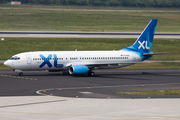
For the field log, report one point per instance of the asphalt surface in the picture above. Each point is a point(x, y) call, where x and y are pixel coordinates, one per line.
point(104, 85)
point(67, 34)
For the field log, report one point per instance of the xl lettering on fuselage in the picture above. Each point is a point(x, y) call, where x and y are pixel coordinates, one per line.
point(46, 61)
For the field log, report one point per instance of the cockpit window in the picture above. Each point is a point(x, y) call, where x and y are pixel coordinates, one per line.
point(15, 58)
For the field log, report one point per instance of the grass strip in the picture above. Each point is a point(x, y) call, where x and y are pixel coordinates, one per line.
point(56, 7)
point(28, 18)
point(152, 92)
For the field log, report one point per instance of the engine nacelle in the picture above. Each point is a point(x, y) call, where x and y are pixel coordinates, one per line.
point(78, 69)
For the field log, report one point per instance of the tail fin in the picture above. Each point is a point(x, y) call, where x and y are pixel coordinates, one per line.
point(144, 42)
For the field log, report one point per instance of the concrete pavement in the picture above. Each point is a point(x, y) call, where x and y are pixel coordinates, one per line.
point(50, 107)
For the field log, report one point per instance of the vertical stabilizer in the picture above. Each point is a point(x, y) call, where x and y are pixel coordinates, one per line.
point(144, 42)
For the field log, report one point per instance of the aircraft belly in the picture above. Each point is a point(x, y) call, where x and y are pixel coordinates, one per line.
point(114, 65)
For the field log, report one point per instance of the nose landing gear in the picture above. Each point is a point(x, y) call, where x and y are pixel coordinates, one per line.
point(20, 72)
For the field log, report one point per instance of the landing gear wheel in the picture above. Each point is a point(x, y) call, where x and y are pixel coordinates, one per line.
point(20, 74)
point(91, 73)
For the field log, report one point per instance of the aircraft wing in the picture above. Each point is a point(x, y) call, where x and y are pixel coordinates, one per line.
point(99, 65)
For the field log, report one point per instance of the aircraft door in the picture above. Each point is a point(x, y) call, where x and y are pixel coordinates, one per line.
point(76, 59)
point(28, 56)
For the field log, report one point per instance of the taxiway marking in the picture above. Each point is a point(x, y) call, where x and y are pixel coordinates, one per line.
point(140, 85)
point(17, 77)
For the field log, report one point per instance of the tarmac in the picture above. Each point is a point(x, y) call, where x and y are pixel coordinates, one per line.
point(42, 95)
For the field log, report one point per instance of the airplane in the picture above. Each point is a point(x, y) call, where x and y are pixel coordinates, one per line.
point(84, 62)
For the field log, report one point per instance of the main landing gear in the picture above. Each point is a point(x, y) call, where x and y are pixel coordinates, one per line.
point(91, 73)
point(21, 74)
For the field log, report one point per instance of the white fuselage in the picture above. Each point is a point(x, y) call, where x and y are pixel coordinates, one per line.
point(61, 60)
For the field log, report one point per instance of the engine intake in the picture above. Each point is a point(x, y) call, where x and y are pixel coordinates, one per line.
point(78, 69)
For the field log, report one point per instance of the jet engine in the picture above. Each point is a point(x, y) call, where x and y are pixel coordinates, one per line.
point(78, 70)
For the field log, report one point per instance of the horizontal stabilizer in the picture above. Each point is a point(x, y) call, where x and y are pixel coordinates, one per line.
point(158, 53)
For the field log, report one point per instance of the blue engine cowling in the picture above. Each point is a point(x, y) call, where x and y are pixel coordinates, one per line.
point(78, 69)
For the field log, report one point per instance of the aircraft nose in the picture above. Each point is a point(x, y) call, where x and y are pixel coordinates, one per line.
point(8, 63)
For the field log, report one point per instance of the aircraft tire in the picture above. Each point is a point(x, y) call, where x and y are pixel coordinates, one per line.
point(91, 73)
point(20, 74)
